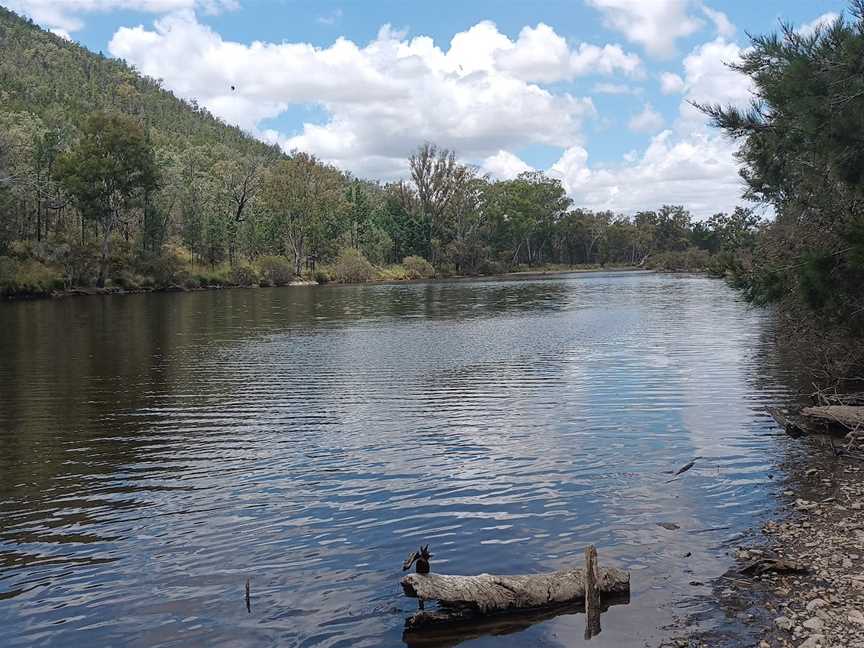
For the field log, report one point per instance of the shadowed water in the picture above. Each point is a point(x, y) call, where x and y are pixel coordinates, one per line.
point(158, 450)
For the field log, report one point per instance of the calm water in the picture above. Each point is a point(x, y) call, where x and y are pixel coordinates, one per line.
point(158, 450)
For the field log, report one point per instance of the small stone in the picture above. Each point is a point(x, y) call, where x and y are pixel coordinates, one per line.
point(783, 623)
point(847, 564)
point(815, 604)
point(813, 642)
point(814, 624)
point(855, 616)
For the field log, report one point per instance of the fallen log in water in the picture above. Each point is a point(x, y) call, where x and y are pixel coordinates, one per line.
point(848, 416)
point(462, 597)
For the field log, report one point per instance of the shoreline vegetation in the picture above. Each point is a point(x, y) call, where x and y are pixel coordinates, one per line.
point(222, 280)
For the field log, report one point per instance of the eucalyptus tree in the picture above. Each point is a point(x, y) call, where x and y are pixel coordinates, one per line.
point(107, 173)
point(300, 195)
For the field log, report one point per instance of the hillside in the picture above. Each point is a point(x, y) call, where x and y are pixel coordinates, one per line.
point(61, 83)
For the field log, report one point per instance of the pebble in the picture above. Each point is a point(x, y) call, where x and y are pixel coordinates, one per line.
point(783, 623)
point(814, 624)
point(813, 642)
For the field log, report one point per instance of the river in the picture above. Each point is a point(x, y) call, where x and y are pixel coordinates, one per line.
point(157, 450)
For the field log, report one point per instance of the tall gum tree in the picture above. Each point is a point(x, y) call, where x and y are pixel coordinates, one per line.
point(108, 172)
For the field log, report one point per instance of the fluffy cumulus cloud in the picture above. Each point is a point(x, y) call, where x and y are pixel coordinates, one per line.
point(655, 25)
point(647, 120)
point(64, 16)
point(504, 165)
point(483, 94)
point(822, 22)
point(697, 170)
point(671, 83)
point(689, 163)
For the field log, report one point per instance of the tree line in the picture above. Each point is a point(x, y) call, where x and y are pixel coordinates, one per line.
point(107, 205)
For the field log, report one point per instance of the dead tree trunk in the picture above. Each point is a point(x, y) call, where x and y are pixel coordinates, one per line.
point(466, 596)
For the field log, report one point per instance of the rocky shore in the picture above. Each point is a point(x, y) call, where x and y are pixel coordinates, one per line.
point(798, 581)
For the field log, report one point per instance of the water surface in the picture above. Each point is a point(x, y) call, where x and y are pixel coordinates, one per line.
point(158, 450)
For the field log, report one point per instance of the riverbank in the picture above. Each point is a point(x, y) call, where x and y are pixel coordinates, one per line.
point(815, 598)
point(89, 291)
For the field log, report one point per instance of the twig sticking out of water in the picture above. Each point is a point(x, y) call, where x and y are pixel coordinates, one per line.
point(249, 595)
point(592, 593)
point(683, 469)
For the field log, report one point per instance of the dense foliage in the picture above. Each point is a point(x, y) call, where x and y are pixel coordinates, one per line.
point(803, 154)
point(108, 179)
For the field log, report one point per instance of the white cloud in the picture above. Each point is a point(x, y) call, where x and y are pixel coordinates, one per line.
point(709, 80)
point(504, 165)
point(606, 87)
point(671, 83)
point(654, 24)
point(65, 15)
point(646, 121)
point(697, 170)
point(62, 33)
point(823, 21)
point(330, 18)
point(721, 21)
point(690, 163)
point(479, 96)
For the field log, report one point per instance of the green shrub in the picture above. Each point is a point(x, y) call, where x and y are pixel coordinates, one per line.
point(353, 267)
point(129, 280)
point(243, 274)
point(8, 274)
point(217, 276)
point(322, 276)
point(394, 272)
point(169, 268)
point(276, 270)
point(28, 278)
point(418, 268)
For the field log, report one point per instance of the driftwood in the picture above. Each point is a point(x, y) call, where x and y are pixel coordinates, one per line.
point(486, 592)
point(850, 417)
point(794, 426)
point(464, 599)
point(776, 565)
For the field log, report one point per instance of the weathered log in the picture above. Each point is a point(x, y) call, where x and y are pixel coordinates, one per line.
point(486, 592)
point(794, 426)
point(848, 416)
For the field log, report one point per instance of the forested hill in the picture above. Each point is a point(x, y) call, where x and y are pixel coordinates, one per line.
point(62, 83)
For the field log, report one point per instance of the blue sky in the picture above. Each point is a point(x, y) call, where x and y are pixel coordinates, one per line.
point(593, 91)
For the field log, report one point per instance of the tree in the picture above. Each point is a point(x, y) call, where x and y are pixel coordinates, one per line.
point(299, 196)
point(108, 173)
point(802, 154)
point(437, 178)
